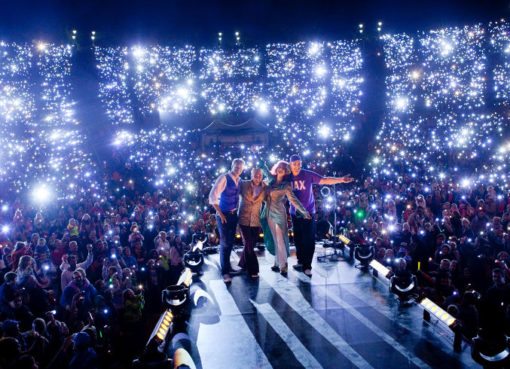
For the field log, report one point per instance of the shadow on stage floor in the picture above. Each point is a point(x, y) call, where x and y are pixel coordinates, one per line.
point(340, 318)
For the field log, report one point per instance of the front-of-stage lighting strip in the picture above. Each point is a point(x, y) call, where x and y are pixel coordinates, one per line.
point(344, 239)
point(163, 326)
point(381, 269)
point(435, 310)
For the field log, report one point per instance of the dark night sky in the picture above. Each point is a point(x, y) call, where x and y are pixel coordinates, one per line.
point(197, 22)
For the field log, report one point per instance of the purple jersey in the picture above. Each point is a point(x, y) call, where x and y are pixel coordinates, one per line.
point(303, 189)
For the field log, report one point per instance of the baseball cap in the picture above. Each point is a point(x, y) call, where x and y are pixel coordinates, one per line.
point(82, 339)
point(294, 157)
point(9, 325)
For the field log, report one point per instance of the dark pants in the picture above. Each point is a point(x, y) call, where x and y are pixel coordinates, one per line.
point(227, 235)
point(304, 239)
point(249, 259)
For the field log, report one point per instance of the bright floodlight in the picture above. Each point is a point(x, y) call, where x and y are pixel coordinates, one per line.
point(401, 103)
point(321, 71)
point(41, 194)
point(324, 131)
point(262, 107)
point(465, 183)
point(41, 46)
point(138, 52)
point(5, 229)
point(446, 48)
point(183, 92)
point(314, 48)
point(415, 74)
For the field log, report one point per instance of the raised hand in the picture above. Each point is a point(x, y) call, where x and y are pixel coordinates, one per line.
point(347, 179)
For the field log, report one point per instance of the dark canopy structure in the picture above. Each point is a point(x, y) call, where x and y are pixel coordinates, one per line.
point(251, 132)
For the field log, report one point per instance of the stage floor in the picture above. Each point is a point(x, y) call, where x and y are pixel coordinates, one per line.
point(340, 318)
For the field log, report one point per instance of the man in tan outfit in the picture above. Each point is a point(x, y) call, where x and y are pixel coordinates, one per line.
point(252, 195)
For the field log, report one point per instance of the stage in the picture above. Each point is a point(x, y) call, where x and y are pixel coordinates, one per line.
point(340, 318)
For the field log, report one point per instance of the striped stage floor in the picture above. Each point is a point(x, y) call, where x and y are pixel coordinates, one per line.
point(340, 318)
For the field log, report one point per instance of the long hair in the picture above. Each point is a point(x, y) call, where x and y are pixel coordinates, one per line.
point(278, 164)
point(25, 262)
point(285, 165)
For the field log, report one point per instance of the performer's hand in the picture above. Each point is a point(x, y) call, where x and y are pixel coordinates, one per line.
point(308, 216)
point(222, 217)
point(347, 179)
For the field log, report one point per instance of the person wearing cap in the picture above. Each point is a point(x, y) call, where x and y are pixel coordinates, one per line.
point(302, 181)
point(84, 355)
point(7, 290)
point(224, 197)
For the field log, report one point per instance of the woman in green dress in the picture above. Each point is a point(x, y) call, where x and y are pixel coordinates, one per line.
point(274, 216)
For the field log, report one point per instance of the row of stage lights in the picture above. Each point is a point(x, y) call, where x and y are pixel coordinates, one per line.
point(487, 349)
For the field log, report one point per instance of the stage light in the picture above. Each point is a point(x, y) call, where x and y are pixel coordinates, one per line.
point(163, 326)
point(364, 253)
point(314, 48)
point(465, 183)
point(324, 131)
point(138, 52)
point(379, 269)
point(5, 229)
point(41, 46)
point(446, 48)
point(435, 310)
point(415, 74)
point(401, 103)
point(320, 71)
point(262, 107)
point(183, 92)
point(41, 194)
point(5, 207)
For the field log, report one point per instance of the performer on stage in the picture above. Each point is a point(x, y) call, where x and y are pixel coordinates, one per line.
point(274, 215)
point(252, 195)
point(304, 229)
point(224, 196)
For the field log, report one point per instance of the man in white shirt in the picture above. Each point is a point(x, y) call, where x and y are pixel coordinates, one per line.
point(224, 197)
point(69, 265)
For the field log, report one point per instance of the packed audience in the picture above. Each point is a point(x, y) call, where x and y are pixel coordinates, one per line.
point(81, 275)
point(80, 278)
point(456, 240)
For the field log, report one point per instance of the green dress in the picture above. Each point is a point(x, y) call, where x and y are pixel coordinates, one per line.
point(275, 209)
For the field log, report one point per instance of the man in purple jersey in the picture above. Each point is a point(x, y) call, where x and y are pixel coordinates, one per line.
point(304, 229)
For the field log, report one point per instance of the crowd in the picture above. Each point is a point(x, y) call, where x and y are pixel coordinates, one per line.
point(80, 276)
point(81, 280)
point(455, 240)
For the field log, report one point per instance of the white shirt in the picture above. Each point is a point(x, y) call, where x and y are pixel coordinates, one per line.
point(67, 275)
point(219, 187)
